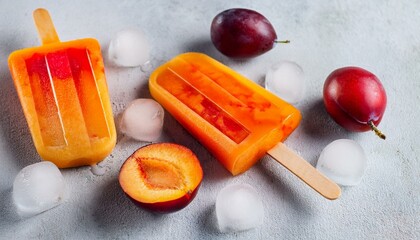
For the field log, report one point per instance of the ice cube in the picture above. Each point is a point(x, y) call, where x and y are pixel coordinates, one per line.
point(343, 161)
point(238, 208)
point(37, 188)
point(129, 48)
point(97, 170)
point(142, 120)
point(286, 79)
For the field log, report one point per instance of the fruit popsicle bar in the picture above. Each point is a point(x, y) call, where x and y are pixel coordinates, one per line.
point(237, 120)
point(64, 96)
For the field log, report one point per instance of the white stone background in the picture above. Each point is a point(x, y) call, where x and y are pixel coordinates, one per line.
point(381, 36)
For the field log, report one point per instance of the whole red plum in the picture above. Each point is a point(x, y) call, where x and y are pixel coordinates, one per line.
point(355, 99)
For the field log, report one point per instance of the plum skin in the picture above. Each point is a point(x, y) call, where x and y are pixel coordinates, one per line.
point(354, 96)
point(168, 206)
point(242, 33)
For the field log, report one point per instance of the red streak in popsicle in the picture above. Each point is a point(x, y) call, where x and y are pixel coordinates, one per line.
point(204, 107)
point(88, 94)
point(57, 79)
point(45, 104)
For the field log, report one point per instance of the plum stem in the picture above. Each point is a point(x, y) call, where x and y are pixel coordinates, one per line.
point(376, 130)
point(282, 41)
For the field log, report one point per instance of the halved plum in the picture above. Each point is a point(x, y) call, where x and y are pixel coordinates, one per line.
point(161, 177)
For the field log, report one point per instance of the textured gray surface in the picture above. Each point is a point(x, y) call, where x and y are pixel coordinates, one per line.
point(382, 36)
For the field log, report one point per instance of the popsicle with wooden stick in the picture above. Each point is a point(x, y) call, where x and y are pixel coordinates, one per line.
point(64, 96)
point(237, 120)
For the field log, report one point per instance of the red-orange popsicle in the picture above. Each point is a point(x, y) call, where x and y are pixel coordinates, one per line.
point(237, 120)
point(64, 96)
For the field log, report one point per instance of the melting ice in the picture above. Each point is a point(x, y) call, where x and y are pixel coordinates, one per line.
point(286, 79)
point(129, 48)
point(37, 188)
point(238, 208)
point(343, 161)
point(143, 120)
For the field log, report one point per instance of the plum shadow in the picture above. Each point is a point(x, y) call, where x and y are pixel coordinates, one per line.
point(317, 124)
point(203, 45)
point(114, 211)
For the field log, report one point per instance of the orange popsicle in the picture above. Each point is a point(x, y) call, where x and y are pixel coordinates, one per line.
point(64, 96)
point(237, 120)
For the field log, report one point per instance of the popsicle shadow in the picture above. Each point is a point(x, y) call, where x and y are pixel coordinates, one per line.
point(9, 43)
point(143, 91)
point(115, 211)
point(283, 187)
point(12, 121)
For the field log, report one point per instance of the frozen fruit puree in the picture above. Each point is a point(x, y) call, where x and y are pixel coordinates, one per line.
point(64, 96)
point(236, 119)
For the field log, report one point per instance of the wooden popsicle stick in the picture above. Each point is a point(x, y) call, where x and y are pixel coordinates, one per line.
point(305, 171)
point(45, 26)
